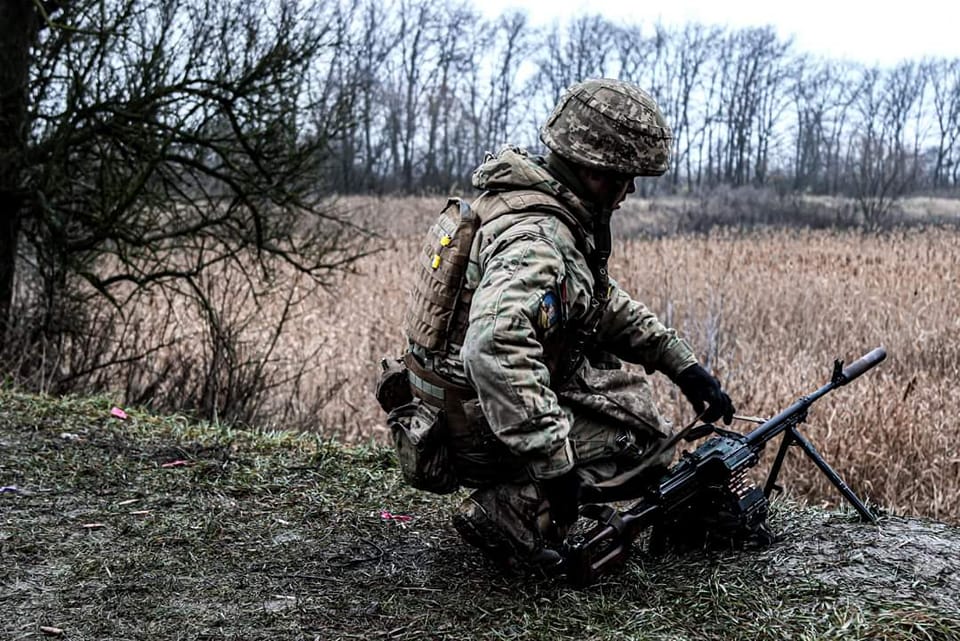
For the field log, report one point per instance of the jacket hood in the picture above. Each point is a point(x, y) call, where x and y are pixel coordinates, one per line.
point(513, 168)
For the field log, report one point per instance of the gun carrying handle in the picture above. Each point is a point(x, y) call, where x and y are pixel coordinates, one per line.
point(864, 363)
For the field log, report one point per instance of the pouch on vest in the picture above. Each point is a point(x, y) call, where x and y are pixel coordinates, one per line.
point(420, 440)
point(393, 386)
point(437, 313)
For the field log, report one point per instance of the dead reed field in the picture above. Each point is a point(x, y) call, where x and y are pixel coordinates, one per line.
point(767, 311)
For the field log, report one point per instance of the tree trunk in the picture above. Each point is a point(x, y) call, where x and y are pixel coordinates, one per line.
point(18, 28)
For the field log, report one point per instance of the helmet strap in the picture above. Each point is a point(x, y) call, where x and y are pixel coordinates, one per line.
point(601, 256)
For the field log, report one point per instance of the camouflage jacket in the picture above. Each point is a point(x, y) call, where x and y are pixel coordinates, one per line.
point(533, 286)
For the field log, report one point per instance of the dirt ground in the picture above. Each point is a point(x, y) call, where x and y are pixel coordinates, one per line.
point(158, 528)
point(899, 558)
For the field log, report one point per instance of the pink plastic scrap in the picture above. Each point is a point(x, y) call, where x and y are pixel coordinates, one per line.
point(177, 463)
point(118, 413)
point(396, 518)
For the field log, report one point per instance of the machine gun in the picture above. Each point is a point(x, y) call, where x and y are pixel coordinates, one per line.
point(706, 496)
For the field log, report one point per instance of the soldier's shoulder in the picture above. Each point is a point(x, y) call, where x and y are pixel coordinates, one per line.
point(539, 228)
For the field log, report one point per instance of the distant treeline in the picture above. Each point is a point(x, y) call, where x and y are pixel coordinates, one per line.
point(432, 86)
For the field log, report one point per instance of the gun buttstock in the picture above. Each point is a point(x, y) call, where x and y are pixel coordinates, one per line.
point(587, 565)
point(864, 363)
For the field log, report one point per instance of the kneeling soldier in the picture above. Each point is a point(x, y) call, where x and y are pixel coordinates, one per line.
point(516, 332)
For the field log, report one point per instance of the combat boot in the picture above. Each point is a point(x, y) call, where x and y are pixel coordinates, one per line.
point(504, 523)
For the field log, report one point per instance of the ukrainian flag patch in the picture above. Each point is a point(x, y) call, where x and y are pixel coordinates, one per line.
point(549, 310)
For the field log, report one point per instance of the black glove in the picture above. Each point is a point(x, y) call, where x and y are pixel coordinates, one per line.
point(563, 494)
point(703, 390)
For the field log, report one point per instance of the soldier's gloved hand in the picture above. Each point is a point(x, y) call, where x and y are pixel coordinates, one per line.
point(704, 391)
point(563, 494)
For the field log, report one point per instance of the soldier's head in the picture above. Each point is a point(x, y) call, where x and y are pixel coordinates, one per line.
point(611, 131)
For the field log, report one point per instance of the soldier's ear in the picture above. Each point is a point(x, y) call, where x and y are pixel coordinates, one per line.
point(594, 180)
point(600, 183)
point(589, 173)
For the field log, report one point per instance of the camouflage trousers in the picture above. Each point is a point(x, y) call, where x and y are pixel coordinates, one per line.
point(615, 428)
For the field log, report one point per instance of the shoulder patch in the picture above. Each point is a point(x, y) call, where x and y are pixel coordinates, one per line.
point(549, 310)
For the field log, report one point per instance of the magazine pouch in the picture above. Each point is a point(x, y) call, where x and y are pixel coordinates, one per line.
point(419, 436)
point(393, 385)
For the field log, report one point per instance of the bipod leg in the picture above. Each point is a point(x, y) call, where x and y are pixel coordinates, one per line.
point(848, 494)
point(777, 464)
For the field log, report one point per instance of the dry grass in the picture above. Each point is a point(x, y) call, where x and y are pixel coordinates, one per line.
point(768, 311)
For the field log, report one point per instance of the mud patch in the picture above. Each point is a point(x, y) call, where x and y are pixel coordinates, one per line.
point(899, 558)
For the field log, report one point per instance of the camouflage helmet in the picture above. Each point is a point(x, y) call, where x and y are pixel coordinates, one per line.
point(610, 125)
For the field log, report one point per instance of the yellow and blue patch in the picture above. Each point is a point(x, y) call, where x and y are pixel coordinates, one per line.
point(550, 312)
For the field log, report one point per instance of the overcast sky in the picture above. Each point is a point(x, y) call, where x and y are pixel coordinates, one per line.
point(868, 32)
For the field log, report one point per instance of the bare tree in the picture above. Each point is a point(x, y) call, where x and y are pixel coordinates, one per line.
point(158, 140)
point(452, 58)
point(435, 87)
point(364, 37)
point(773, 102)
point(581, 50)
point(814, 93)
point(689, 53)
point(502, 117)
point(19, 28)
point(752, 73)
point(946, 102)
point(884, 164)
point(405, 87)
point(710, 134)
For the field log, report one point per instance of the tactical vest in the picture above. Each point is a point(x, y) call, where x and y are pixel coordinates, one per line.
point(439, 305)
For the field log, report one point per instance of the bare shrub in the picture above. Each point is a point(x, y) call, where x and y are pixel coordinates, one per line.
point(216, 348)
point(159, 147)
point(230, 361)
point(751, 207)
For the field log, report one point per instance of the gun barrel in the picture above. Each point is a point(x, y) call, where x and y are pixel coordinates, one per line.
point(797, 412)
point(864, 363)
